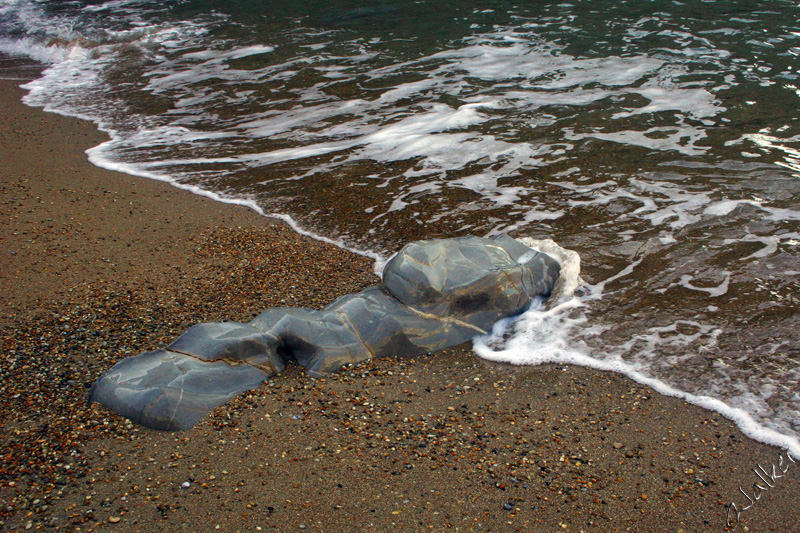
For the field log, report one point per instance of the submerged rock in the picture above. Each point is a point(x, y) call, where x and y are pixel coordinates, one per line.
point(435, 294)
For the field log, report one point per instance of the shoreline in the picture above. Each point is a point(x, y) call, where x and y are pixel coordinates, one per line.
point(97, 264)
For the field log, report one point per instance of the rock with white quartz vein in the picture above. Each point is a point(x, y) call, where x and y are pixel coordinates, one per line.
point(435, 294)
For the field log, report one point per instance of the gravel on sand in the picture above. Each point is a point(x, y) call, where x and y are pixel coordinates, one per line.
point(96, 265)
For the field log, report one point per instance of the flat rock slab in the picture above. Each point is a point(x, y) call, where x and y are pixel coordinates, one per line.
point(170, 391)
point(435, 294)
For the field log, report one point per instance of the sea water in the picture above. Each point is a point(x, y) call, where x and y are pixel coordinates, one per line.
point(659, 139)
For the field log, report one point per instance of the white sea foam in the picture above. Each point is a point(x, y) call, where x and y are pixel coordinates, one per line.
point(714, 292)
point(102, 162)
point(235, 53)
point(541, 341)
point(683, 139)
point(439, 137)
point(725, 207)
point(558, 334)
point(34, 50)
point(569, 277)
point(29, 16)
point(770, 243)
point(770, 143)
point(113, 5)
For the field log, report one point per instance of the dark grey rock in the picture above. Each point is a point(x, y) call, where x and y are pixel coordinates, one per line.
point(434, 294)
point(171, 391)
point(232, 342)
point(321, 341)
point(472, 279)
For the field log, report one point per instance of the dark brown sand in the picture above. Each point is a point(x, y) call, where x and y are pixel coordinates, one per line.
point(97, 265)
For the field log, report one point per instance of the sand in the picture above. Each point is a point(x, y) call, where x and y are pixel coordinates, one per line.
point(97, 265)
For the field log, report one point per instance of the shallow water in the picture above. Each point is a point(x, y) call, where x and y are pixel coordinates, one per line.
point(660, 140)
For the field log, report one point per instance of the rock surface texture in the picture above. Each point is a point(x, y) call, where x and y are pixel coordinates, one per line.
point(435, 294)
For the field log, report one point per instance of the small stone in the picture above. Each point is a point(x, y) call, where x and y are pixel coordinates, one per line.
point(113, 519)
point(618, 445)
point(186, 484)
point(507, 506)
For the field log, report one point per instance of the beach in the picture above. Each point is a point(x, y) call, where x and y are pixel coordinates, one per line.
point(98, 265)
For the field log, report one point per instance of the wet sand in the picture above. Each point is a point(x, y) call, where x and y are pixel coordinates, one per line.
point(96, 265)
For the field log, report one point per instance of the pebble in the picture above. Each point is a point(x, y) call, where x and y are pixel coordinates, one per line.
point(461, 426)
point(53, 356)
